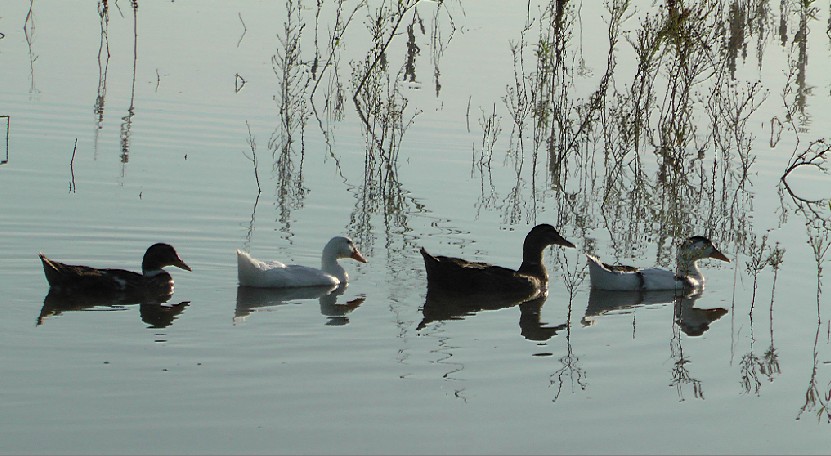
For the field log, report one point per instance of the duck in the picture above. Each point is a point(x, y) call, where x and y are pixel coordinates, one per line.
point(252, 272)
point(467, 277)
point(605, 276)
point(79, 279)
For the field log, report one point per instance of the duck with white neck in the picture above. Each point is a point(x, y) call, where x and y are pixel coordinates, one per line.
point(252, 272)
point(687, 276)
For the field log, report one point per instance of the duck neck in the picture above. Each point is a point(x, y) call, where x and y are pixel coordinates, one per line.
point(330, 265)
point(688, 267)
point(150, 272)
point(532, 261)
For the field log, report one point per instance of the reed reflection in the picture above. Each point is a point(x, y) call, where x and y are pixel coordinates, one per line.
point(103, 68)
point(596, 147)
point(29, 34)
point(293, 80)
point(127, 120)
point(571, 370)
point(4, 160)
point(251, 299)
point(818, 397)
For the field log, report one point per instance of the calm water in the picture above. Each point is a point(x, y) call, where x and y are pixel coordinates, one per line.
point(215, 127)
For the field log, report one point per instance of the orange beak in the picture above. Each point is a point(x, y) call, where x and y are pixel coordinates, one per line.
point(356, 255)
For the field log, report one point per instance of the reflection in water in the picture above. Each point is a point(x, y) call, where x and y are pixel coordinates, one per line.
point(293, 81)
point(693, 321)
point(103, 68)
point(571, 371)
point(154, 310)
point(250, 299)
point(127, 120)
point(29, 33)
point(820, 241)
point(602, 302)
point(252, 144)
point(5, 160)
point(440, 305)
point(598, 147)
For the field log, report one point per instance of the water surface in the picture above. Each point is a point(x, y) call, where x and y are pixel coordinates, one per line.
point(270, 127)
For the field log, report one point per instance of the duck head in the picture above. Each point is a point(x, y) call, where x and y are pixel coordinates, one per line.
point(540, 237)
point(698, 248)
point(543, 235)
point(342, 247)
point(159, 256)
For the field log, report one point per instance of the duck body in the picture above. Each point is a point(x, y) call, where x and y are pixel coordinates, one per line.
point(448, 273)
point(252, 272)
point(528, 282)
point(605, 276)
point(79, 279)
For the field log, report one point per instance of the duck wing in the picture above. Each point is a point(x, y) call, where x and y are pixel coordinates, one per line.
point(79, 278)
point(469, 276)
point(605, 276)
point(252, 272)
point(662, 279)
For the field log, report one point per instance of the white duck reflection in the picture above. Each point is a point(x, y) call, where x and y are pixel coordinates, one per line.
point(250, 299)
point(692, 320)
point(440, 305)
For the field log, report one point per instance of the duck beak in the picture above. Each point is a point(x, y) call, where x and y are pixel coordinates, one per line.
point(718, 255)
point(356, 255)
point(562, 241)
point(181, 264)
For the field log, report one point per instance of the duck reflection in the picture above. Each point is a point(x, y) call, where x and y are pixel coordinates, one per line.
point(441, 305)
point(154, 309)
point(249, 299)
point(692, 320)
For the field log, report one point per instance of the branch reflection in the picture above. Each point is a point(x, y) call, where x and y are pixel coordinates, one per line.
point(103, 68)
point(693, 322)
point(293, 80)
point(127, 120)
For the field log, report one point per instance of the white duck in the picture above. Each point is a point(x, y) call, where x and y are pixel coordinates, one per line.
point(688, 276)
point(252, 272)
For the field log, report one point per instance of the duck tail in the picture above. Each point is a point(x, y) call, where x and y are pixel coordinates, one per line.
point(430, 262)
point(245, 268)
point(596, 269)
point(593, 261)
point(51, 269)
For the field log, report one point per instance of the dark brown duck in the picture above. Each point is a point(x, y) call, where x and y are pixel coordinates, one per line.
point(456, 274)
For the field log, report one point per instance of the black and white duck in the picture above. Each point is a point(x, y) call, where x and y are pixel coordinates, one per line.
point(687, 276)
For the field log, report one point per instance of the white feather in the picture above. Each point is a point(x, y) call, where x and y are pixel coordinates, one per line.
point(252, 272)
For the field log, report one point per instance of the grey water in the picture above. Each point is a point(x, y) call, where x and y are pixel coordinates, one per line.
point(457, 126)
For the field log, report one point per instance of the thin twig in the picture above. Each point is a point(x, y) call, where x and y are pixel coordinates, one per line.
point(72, 187)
